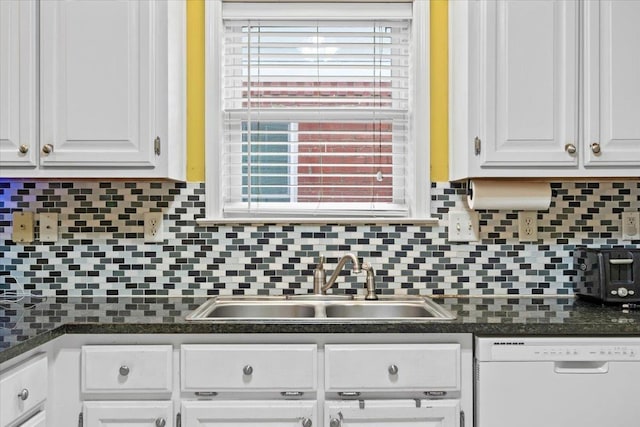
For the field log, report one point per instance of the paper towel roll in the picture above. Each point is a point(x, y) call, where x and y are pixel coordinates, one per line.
point(508, 195)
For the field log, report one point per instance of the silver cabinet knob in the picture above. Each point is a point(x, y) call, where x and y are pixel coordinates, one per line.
point(570, 148)
point(247, 370)
point(334, 422)
point(47, 149)
point(160, 422)
point(595, 148)
point(306, 422)
point(393, 369)
point(24, 394)
point(124, 370)
point(24, 148)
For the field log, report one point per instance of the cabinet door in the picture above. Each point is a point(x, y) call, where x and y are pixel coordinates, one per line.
point(18, 143)
point(393, 413)
point(128, 414)
point(612, 85)
point(528, 83)
point(249, 413)
point(97, 82)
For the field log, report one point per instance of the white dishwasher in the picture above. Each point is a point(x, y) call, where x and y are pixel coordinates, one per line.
point(557, 382)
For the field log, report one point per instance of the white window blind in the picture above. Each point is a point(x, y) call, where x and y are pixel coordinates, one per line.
point(316, 103)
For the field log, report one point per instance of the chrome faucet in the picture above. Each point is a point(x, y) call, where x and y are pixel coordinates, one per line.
point(321, 285)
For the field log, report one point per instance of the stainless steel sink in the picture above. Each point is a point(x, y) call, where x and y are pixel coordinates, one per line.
point(220, 308)
point(377, 310)
point(321, 310)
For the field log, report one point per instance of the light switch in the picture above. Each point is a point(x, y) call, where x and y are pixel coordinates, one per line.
point(463, 226)
point(22, 227)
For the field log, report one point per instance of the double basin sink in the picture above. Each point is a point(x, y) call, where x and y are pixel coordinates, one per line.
point(321, 308)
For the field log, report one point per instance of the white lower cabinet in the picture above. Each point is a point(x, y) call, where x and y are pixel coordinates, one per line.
point(390, 382)
point(393, 413)
point(262, 413)
point(128, 414)
point(242, 380)
point(23, 391)
point(127, 385)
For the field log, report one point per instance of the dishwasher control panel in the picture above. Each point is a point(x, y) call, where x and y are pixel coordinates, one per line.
point(530, 349)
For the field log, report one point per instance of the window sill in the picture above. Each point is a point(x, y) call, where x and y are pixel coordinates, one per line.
point(320, 221)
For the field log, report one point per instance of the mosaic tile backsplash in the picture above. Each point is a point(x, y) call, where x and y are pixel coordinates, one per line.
point(101, 250)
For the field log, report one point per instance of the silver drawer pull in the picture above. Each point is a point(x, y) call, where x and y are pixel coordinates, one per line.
point(292, 394)
point(124, 370)
point(247, 370)
point(334, 422)
point(306, 422)
point(393, 369)
point(621, 261)
point(160, 422)
point(349, 394)
point(206, 393)
point(24, 394)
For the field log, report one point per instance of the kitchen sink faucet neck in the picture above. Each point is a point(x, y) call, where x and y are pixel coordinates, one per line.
point(320, 284)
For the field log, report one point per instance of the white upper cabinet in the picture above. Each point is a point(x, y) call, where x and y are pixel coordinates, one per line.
point(111, 90)
point(521, 92)
point(529, 76)
point(18, 126)
point(98, 75)
point(612, 84)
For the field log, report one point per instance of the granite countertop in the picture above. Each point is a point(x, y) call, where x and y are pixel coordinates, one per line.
point(34, 321)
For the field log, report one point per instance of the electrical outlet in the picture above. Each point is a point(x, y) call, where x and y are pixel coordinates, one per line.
point(48, 227)
point(528, 226)
point(464, 226)
point(630, 230)
point(22, 227)
point(153, 227)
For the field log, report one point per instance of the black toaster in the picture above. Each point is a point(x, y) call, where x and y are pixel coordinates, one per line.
point(609, 275)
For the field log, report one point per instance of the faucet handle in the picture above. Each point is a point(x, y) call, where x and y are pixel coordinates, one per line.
point(319, 276)
point(370, 281)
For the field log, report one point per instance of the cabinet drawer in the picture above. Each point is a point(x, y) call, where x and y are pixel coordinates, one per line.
point(228, 367)
point(127, 369)
point(410, 367)
point(22, 389)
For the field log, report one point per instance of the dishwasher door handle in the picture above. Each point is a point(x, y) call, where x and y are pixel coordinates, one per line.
point(581, 367)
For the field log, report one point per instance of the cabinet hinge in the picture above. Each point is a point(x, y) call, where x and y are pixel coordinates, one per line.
point(178, 420)
point(156, 145)
point(477, 145)
point(461, 418)
point(80, 420)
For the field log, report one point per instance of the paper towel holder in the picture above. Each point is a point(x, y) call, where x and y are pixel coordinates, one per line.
point(505, 194)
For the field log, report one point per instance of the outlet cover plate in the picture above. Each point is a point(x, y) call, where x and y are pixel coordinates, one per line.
point(630, 228)
point(153, 227)
point(528, 226)
point(464, 226)
point(22, 227)
point(48, 227)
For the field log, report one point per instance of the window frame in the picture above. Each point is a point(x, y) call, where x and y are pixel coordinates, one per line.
point(419, 146)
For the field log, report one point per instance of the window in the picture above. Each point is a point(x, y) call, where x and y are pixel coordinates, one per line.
point(317, 110)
